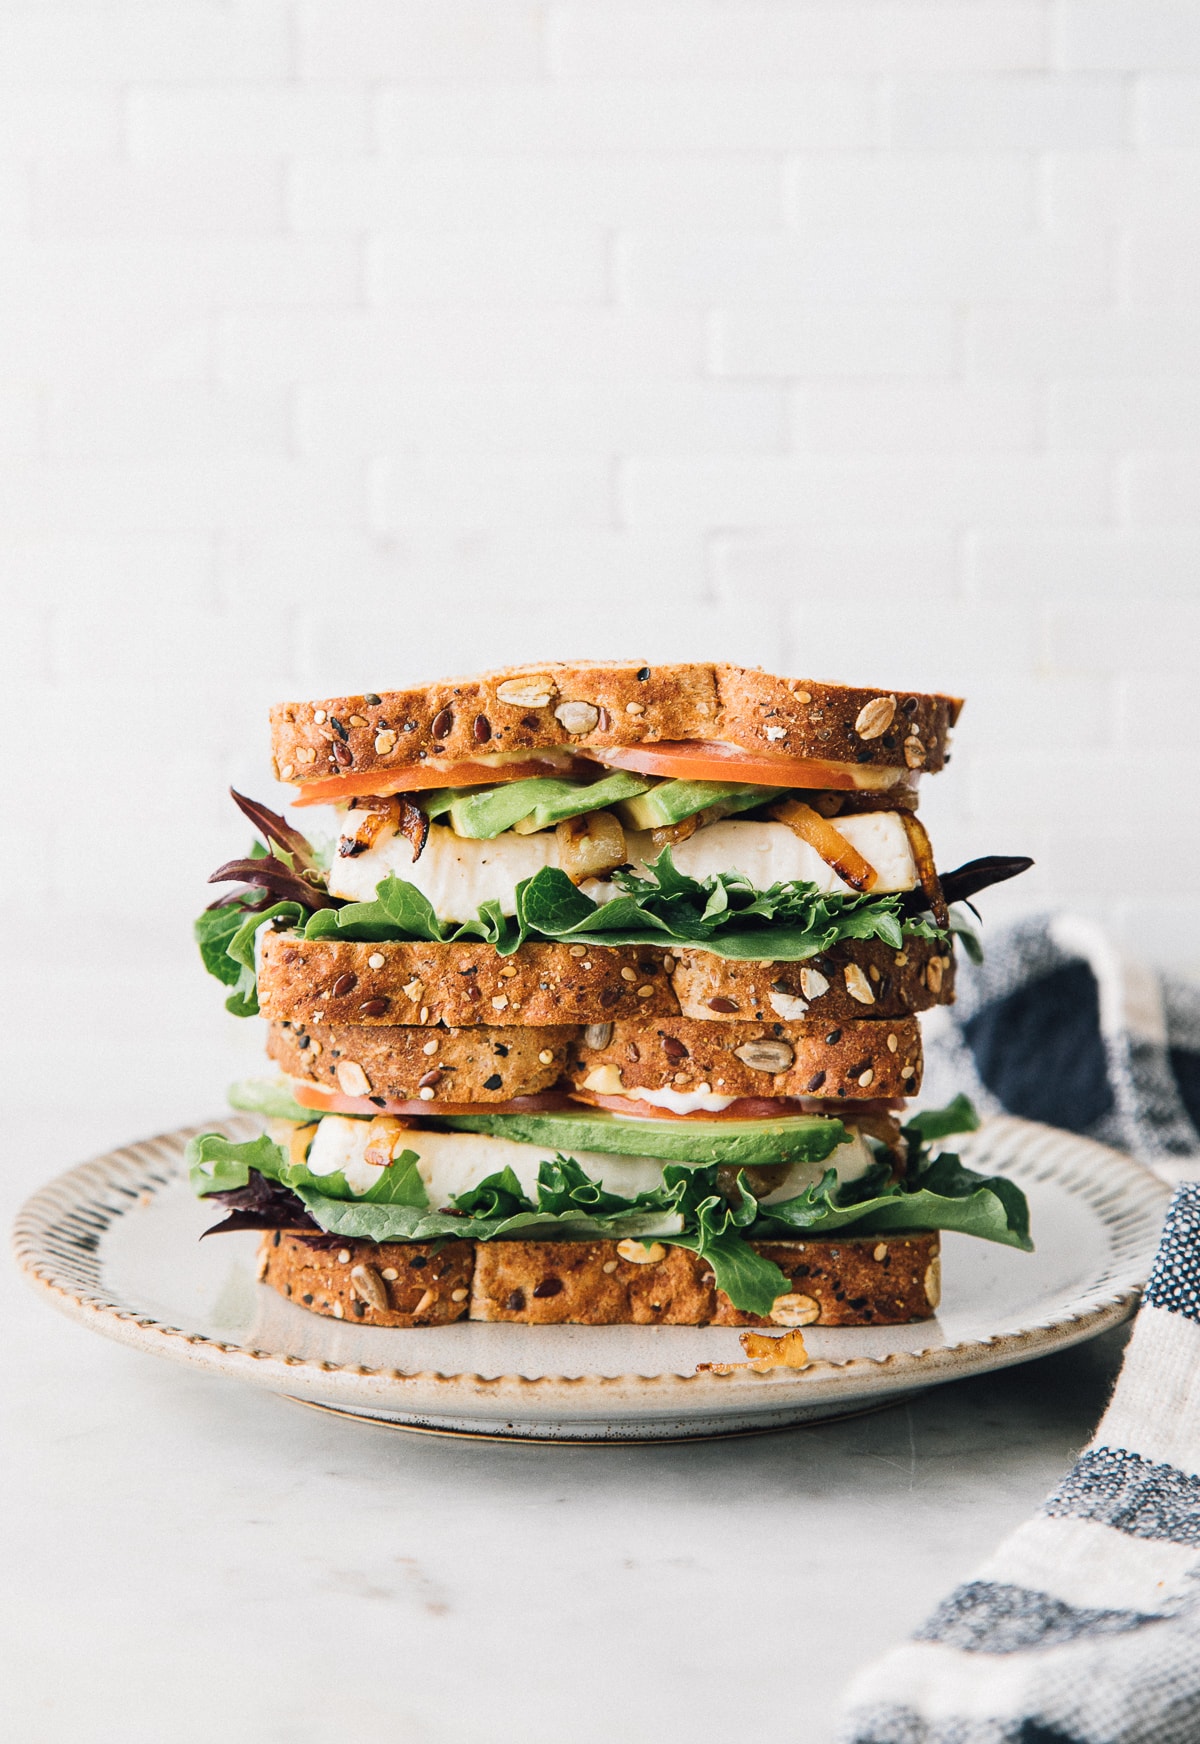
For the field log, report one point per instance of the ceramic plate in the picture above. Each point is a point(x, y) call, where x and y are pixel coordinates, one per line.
point(113, 1243)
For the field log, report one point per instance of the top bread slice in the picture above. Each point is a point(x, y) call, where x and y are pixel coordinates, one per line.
point(594, 705)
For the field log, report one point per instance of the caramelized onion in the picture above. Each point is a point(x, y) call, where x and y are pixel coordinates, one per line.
point(590, 845)
point(827, 841)
point(922, 853)
point(373, 820)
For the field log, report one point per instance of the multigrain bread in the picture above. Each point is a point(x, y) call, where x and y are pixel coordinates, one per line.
point(335, 980)
point(873, 1280)
point(467, 983)
point(405, 1063)
point(856, 978)
point(590, 705)
point(392, 1283)
point(851, 1281)
point(851, 1059)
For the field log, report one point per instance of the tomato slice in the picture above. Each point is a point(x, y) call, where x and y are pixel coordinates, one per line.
point(333, 1102)
point(712, 760)
point(422, 775)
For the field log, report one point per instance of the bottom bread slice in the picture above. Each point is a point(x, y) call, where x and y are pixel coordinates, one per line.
point(866, 1280)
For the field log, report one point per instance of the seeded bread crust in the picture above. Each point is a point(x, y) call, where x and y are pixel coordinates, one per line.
point(854, 979)
point(593, 705)
point(871, 1280)
point(390, 1283)
point(460, 984)
point(464, 984)
point(481, 1065)
point(854, 1058)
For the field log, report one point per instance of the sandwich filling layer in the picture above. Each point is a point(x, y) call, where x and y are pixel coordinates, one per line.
point(497, 1177)
point(458, 875)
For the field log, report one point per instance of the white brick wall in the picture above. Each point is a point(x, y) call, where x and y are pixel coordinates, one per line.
point(349, 341)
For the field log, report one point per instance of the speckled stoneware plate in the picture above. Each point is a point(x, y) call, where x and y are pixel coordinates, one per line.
point(113, 1243)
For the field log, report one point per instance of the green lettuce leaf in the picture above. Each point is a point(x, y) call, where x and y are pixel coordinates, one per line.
point(226, 939)
point(400, 911)
point(214, 930)
point(928, 1125)
point(215, 1164)
point(939, 1192)
point(723, 913)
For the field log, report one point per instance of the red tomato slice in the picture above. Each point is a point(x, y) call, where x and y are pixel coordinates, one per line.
point(333, 1102)
point(422, 775)
point(710, 760)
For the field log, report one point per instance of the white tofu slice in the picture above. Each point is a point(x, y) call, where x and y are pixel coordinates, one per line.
point(454, 872)
point(770, 853)
point(458, 874)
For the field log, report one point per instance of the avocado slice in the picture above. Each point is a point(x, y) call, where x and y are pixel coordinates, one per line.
point(798, 1138)
point(575, 799)
point(672, 801)
point(534, 804)
point(484, 812)
point(435, 802)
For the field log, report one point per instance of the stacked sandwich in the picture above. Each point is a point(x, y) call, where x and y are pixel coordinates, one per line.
point(593, 997)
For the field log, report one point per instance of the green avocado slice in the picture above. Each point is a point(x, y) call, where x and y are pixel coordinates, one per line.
point(535, 804)
point(672, 801)
point(799, 1138)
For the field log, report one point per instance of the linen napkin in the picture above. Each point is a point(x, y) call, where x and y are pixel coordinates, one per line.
point(1084, 1626)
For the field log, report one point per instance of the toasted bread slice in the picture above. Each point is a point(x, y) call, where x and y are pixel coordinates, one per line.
point(337, 981)
point(593, 705)
point(872, 1280)
point(404, 1063)
point(852, 1059)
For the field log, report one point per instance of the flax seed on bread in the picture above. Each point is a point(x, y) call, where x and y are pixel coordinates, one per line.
point(591, 705)
point(852, 1059)
point(479, 1066)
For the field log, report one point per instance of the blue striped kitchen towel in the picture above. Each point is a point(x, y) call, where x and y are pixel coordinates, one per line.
point(1084, 1626)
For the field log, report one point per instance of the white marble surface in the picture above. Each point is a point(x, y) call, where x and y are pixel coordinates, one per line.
point(185, 1559)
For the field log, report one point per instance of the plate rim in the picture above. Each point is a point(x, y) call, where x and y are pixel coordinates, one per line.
point(36, 1220)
